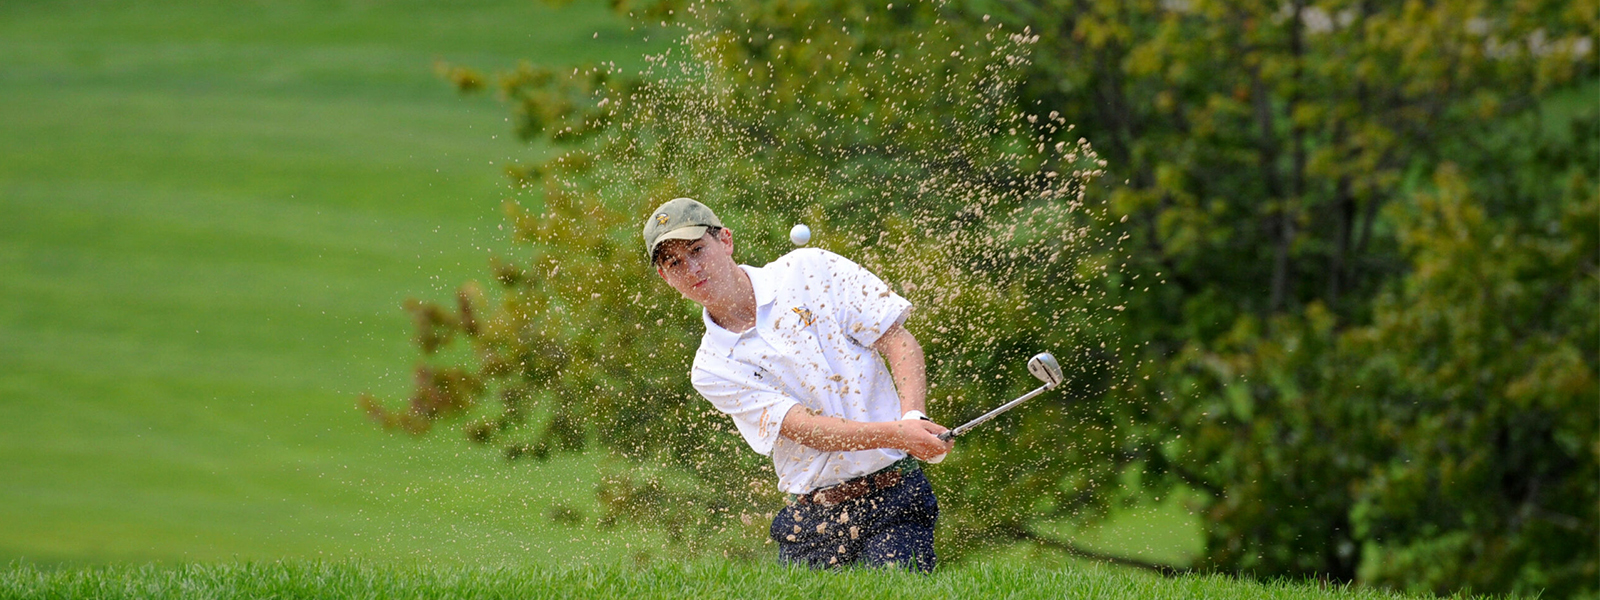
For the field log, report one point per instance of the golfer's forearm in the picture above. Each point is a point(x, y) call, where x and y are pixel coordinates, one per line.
point(833, 434)
point(908, 365)
point(912, 383)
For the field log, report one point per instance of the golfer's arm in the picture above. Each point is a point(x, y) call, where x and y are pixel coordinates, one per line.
point(833, 434)
point(908, 366)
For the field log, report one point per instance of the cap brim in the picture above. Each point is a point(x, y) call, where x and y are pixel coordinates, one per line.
point(684, 233)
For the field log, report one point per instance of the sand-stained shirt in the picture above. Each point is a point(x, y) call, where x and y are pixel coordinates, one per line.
point(817, 316)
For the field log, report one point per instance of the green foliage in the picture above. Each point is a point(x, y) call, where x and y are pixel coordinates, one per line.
point(1456, 430)
point(1261, 144)
point(1336, 272)
point(1487, 351)
point(1313, 344)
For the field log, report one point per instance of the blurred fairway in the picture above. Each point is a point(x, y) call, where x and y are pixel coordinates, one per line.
point(209, 215)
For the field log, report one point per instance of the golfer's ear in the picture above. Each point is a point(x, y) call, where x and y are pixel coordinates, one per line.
point(662, 273)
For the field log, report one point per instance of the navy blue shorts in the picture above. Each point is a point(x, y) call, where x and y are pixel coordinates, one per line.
point(892, 526)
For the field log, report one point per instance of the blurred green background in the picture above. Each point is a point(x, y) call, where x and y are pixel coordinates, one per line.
point(210, 213)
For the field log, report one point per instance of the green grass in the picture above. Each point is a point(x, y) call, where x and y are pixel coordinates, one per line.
point(209, 215)
point(302, 579)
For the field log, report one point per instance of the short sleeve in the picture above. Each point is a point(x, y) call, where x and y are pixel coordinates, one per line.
point(757, 411)
point(867, 307)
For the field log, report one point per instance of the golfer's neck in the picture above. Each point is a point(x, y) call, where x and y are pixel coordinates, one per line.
point(735, 311)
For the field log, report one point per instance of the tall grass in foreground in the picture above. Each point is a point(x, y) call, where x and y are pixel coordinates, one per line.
point(311, 579)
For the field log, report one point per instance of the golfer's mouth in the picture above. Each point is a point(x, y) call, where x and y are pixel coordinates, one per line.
point(701, 282)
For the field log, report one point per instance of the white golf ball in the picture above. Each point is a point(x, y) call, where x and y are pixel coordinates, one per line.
point(800, 235)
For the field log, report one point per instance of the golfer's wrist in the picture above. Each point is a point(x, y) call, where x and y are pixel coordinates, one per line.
point(890, 435)
point(859, 435)
point(904, 433)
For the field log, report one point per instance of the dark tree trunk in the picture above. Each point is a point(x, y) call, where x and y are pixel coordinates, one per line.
point(1281, 267)
point(1266, 149)
point(1344, 214)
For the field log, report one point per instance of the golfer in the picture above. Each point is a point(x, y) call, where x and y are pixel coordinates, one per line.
point(794, 352)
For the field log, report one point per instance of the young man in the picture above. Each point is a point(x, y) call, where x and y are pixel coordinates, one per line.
point(794, 352)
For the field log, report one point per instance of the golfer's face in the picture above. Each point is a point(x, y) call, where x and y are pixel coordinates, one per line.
point(702, 270)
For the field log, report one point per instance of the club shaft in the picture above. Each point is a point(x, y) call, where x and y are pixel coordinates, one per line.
point(994, 413)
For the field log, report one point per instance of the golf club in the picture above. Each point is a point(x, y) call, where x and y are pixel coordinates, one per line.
point(1044, 366)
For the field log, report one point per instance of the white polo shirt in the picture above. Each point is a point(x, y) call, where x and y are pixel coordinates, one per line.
point(817, 316)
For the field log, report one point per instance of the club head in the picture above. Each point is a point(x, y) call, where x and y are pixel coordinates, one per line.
point(1044, 366)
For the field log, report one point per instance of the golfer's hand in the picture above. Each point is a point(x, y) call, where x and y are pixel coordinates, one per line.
point(921, 438)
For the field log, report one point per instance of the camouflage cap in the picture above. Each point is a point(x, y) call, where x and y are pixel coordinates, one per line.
point(678, 219)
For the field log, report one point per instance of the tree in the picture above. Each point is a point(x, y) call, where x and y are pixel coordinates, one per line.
point(1261, 143)
point(1267, 278)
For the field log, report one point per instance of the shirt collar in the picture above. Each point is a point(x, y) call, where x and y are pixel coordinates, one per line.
point(761, 280)
point(761, 283)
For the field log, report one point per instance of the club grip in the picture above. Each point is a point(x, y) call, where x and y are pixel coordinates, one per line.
point(945, 437)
